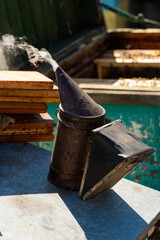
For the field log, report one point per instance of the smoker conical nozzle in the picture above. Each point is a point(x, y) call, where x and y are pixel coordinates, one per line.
point(74, 100)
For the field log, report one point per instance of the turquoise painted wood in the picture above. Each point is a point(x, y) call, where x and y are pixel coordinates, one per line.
point(112, 3)
point(144, 123)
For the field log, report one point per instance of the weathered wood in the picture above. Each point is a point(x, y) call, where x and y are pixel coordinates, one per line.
point(32, 131)
point(127, 62)
point(24, 80)
point(76, 64)
point(105, 65)
point(94, 80)
point(30, 99)
point(104, 91)
point(112, 84)
point(133, 38)
point(30, 121)
point(125, 97)
point(11, 107)
point(27, 138)
point(29, 127)
point(133, 53)
point(30, 93)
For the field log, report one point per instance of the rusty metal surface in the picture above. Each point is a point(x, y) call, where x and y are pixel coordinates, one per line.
point(127, 211)
point(70, 150)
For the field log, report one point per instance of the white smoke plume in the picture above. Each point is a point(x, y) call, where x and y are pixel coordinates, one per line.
point(12, 45)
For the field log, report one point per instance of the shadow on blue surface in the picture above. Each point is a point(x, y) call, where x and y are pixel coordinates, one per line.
point(24, 169)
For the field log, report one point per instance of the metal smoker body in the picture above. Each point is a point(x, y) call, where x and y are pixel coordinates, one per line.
point(78, 115)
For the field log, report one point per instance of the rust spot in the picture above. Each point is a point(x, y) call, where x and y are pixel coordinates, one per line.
point(31, 204)
point(151, 160)
point(138, 177)
point(152, 173)
point(144, 168)
point(137, 189)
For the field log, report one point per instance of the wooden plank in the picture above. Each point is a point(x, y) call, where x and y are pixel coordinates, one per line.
point(120, 84)
point(28, 126)
point(124, 67)
point(30, 99)
point(76, 64)
point(94, 80)
point(111, 62)
point(11, 107)
point(24, 80)
point(132, 53)
point(32, 131)
point(125, 97)
point(30, 121)
point(134, 38)
point(54, 93)
point(27, 138)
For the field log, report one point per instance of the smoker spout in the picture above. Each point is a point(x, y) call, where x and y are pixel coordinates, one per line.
point(74, 100)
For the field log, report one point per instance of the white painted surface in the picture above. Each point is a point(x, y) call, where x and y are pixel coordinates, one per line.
point(37, 217)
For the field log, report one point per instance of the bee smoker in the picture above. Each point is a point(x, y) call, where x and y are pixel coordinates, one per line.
point(88, 155)
point(78, 115)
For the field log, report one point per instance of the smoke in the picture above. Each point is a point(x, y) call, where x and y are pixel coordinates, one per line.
point(11, 47)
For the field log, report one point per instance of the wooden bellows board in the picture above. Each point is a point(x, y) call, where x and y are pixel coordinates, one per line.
point(23, 96)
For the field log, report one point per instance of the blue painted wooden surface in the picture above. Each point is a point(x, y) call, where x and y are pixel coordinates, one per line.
point(31, 207)
point(144, 123)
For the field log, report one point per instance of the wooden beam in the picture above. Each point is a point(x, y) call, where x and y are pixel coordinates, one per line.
point(120, 84)
point(105, 91)
point(54, 93)
point(11, 107)
point(30, 99)
point(27, 138)
point(29, 127)
point(132, 53)
point(104, 65)
point(32, 131)
point(127, 62)
point(30, 121)
point(124, 97)
point(134, 38)
point(24, 80)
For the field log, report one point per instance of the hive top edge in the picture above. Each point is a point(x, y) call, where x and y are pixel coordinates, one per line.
point(74, 100)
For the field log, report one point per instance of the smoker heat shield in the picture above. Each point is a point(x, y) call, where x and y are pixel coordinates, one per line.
point(114, 152)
